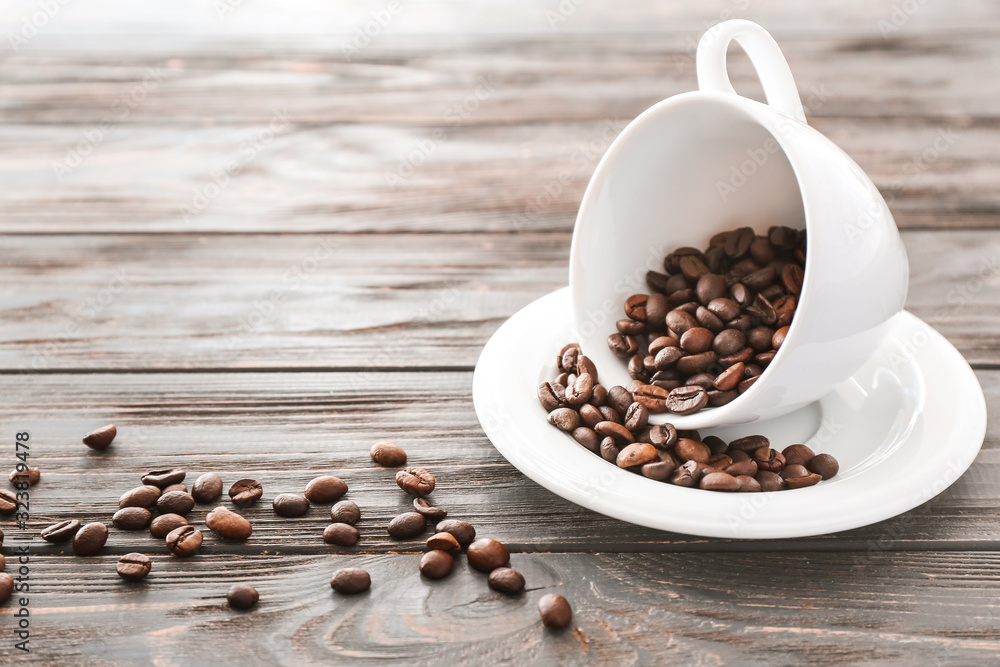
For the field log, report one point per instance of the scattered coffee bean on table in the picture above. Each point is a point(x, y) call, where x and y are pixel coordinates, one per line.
point(132, 518)
point(436, 564)
point(325, 489)
point(242, 596)
point(415, 481)
point(346, 511)
point(101, 438)
point(175, 502)
point(388, 454)
point(163, 524)
point(133, 566)
point(175, 487)
point(341, 534)
point(350, 580)
point(6, 586)
point(8, 502)
point(207, 488)
point(246, 492)
point(555, 611)
point(506, 580)
point(140, 496)
point(224, 522)
point(31, 476)
point(406, 525)
point(290, 505)
point(3, 562)
point(184, 541)
point(432, 512)
point(463, 531)
point(443, 542)
point(90, 539)
point(487, 554)
point(164, 478)
point(60, 532)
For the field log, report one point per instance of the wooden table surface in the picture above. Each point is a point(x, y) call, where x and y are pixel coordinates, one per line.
point(258, 245)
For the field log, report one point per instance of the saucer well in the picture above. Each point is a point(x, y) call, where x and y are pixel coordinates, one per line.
point(904, 427)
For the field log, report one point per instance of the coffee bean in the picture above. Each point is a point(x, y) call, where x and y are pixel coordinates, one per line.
point(797, 454)
point(325, 489)
point(242, 596)
point(679, 321)
point(586, 366)
point(728, 342)
point(417, 481)
point(389, 454)
point(184, 541)
point(696, 363)
point(463, 531)
point(140, 496)
point(8, 502)
point(686, 474)
point(59, 532)
point(246, 492)
point(163, 478)
point(443, 542)
point(657, 470)
point(568, 355)
point(729, 378)
point(710, 286)
point(719, 461)
point(737, 468)
point(652, 397)
point(697, 340)
point(564, 419)
point(667, 357)
point(290, 505)
point(692, 450)
point(350, 580)
point(432, 512)
point(207, 488)
point(657, 306)
point(600, 396)
point(609, 450)
point(637, 368)
point(791, 277)
point(581, 390)
point(764, 359)
point(31, 476)
point(719, 481)
point(555, 611)
point(750, 444)
point(693, 267)
point(90, 539)
point(793, 470)
point(175, 487)
point(657, 281)
point(407, 525)
point(686, 400)
point(6, 586)
point(610, 414)
point(762, 251)
point(770, 481)
point(436, 564)
point(746, 384)
point(163, 524)
point(742, 323)
point(738, 242)
point(347, 511)
point(621, 434)
point(133, 566)
point(709, 320)
point(551, 395)
point(101, 438)
point(760, 279)
point(623, 345)
point(823, 465)
point(747, 484)
point(636, 454)
point(628, 327)
point(763, 310)
point(226, 523)
point(769, 459)
point(588, 438)
point(741, 295)
point(619, 398)
point(636, 417)
point(341, 534)
point(175, 502)
point(132, 518)
point(487, 554)
point(506, 580)
point(635, 307)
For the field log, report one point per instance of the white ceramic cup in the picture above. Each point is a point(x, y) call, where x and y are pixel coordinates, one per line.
point(708, 161)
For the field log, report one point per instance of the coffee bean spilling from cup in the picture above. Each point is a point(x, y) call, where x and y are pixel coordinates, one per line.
point(711, 323)
point(614, 424)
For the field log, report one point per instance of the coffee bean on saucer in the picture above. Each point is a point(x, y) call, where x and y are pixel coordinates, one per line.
point(800, 454)
point(242, 596)
point(90, 539)
point(341, 534)
point(823, 465)
point(407, 525)
point(436, 564)
point(506, 580)
point(719, 481)
point(432, 512)
point(246, 492)
point(770, 481)
point(101, 438)
point(350, 581)
point(487, 554)
point(565, 419)
point(417, 481)
point(686, 400)
point(555, 611)
point(60, 532)
point(132, 518)
point(226, 523)
point(163, 524)
point(636, 454)
point(184, 541)
point(290, 505)
point(346, 511)
point(133, 566)
point(388, 454)
point(164, 478)
point(207, 488)
point(551, 395)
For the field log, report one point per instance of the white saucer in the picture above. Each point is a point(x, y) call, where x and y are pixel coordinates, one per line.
point(904, 428)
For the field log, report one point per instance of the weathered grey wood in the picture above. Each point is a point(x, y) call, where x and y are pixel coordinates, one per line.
point(351, 301)
point(719, 609)
point(285, 429)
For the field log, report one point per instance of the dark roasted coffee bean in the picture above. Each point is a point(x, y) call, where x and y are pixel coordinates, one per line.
point(784, 238)
point(407, 525)
point(637, 368)
point(762, 309)
point(246, 492)
point(163, 524)
point(718, 398)
point(207, 488)
point(772, 293)
point(769, 459)
point(619, 398)
point(684, 296)
point(667, 357)
point(580, 391)
point(738, 455)
point(175, 487)
point(636, 418)
point(729, 378)
point(555, 611)
point(723, 308)
point(132, 518)
point(325, 489)
point(31, 476)
point(676, 283)
point(653, 398)
point(290, 505)
point(228, 524)
point(693, 267)
point(184, 541)
point(101, 438)
point(697, 340)
point(710, 286)
point(770, 481)
point(347, 511)
point(350, 581)
point(747, 467)
point(760, 279)
point(590, 416)
point(175, 502)
point(793, 470)
point(686, 400)
point(506, 580)
point(715, 444)
point(436, 564)
point(679, 321)
point(686, 474)
point(622, 345)
point(90, 539)
point(242, 596)
point(738, 242)
point(164, 478)
point(6, 586)
point(802, 482)
point(760, 338)
point(628, 327)
point(791, 277)
point(566, 361)
point(779, 337)
point(621, 434)
point(585, 366)
point(587, 437)
point(764, 359)
point(696, 363)
point(750, 443)
point(462, 530)
point(391, 455)
point(719, 461)
point(703, 380)
point(719, 481)
point(746, 384)
point(742, 296)
point(661, 342)
point(784, 308)
point(692, 450)
point(341, 534)
point(636, 454)
point(663, 436)
point(419, 482)
point(487, 554)
point(443, 542)
point(709, 320)
point(140, 496)
point(728, 342)
point(744, 267)
point(823, 465)
point(753, 369)
point(742, 323)
point(133, 567)
point(600, 395)
point(60, 532)
point(609, 450)
point(797, 454)
point(657, 281)
point(657, 470)
point(762, 251)
point(747, 484)
point(657, 306)
point(717, 261)
point(564, 419)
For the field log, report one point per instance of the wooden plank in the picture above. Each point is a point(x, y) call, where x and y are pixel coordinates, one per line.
point(286, 428)
point(720, 609)
point(351, 300)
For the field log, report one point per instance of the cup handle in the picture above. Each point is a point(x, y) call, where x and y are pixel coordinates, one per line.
point(765, 55)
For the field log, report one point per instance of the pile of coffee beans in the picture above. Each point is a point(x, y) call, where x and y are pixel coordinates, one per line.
point(712, 322)
point(614, 424)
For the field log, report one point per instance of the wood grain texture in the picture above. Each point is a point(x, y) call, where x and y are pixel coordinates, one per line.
point(704, 609)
